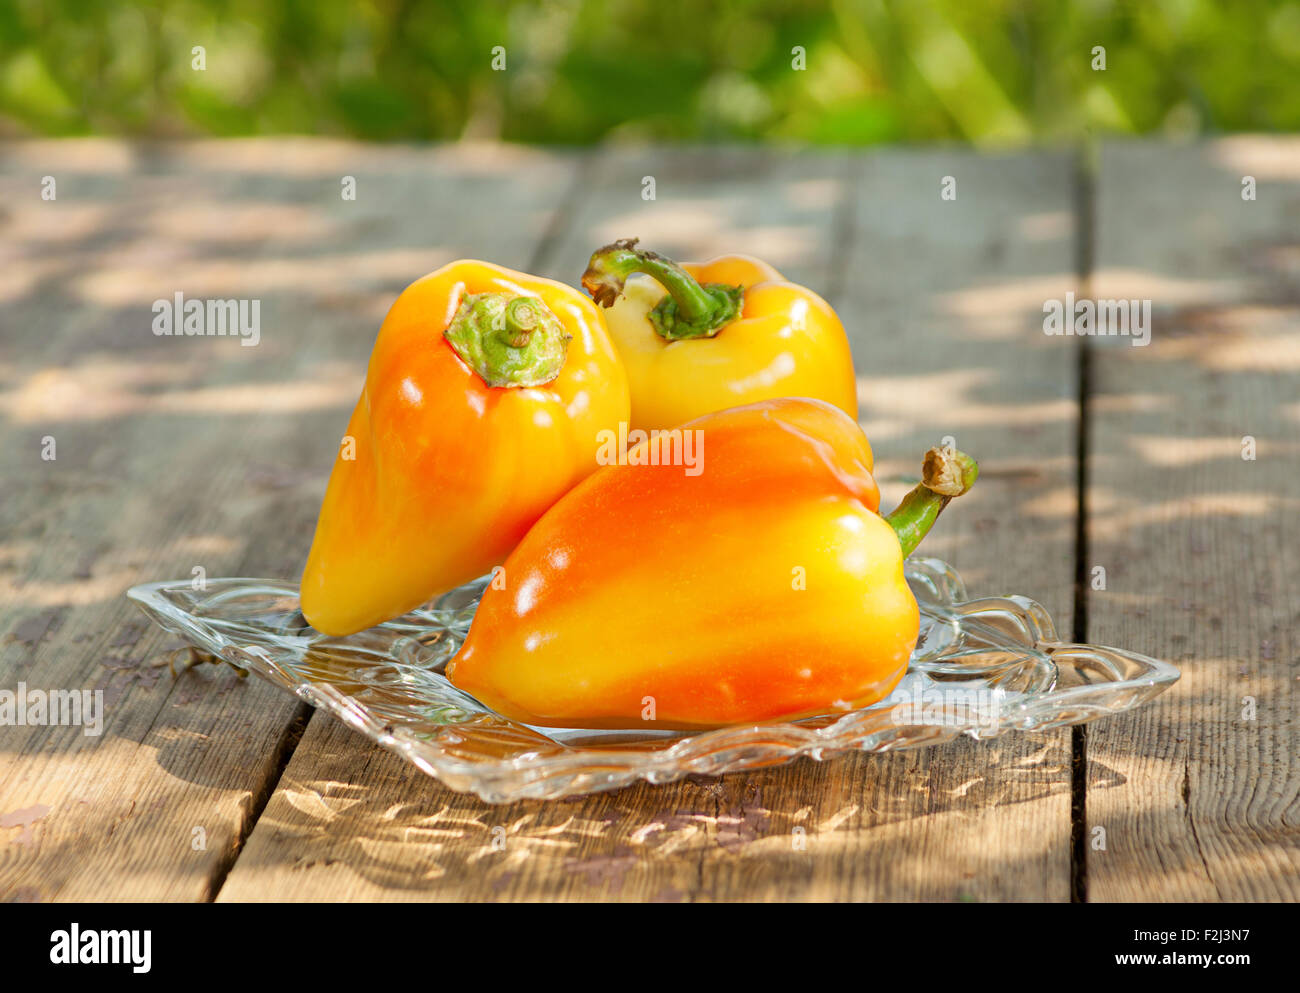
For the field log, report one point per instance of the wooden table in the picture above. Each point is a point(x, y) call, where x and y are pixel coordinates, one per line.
point(181, 453)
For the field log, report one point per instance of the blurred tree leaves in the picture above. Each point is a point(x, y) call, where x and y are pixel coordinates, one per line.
point(987, 72)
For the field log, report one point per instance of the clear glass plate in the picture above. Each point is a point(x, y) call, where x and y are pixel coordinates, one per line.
point(981, 668)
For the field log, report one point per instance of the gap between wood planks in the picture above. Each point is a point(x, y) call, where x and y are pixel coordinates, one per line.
point(1085, 219)
point(284, 749)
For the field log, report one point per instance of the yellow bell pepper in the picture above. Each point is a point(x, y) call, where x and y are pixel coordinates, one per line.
point(486, 391)
point(701, 337)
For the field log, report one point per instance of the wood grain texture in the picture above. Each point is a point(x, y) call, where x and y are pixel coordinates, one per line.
point(1199, 545)
point(943, 301)
point(197, 452)
point(176, 453)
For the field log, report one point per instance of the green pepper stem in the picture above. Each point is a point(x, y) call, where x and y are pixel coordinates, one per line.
point(689, 311)
point(521, 319)
point(947, 473)
point(508, 340)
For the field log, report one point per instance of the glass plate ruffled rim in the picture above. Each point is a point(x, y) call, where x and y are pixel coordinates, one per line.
point(982, 668)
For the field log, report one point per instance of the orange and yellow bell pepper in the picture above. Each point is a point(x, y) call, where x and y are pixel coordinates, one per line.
point(764, 586)
point(483, 400)
point(700, 337)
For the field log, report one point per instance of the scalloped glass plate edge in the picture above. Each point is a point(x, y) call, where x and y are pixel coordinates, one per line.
point(982, 668)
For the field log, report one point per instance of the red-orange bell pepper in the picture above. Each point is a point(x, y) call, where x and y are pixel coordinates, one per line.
point(486, 391)
point(766, 586)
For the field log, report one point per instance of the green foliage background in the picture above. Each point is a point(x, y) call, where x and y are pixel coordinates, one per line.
point(579, 71)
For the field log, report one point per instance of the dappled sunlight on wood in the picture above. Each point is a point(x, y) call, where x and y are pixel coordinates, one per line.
point(21, 277)
point(409, 843)
point(176, 454)
point(106, 156)
point(101, 576)
point(1011, 310)
point(69, 593)
point(119, 283)
point(711, 228)
point(1114, 282)
point(236, 223)
point(204, 545)
point(1165, 451)
point(1135, 402)
point(1052, 225)
point(812, 194)
point(332, 391)
point(1275, 157)
point(1060, 503)
point(1126, 512)
point(304, 158)
point(401, 834)
point(130, 798)
point(947, 400)
point(104, 388)
point(1200, 689)
point(1227, 351)
point(774, 209)
point(29, 224)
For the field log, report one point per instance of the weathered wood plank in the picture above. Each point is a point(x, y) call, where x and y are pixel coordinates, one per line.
point(944, 302)
point(1198, 543)
point(176, 453)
